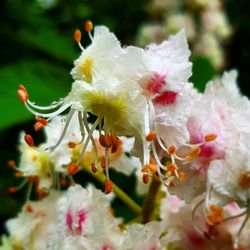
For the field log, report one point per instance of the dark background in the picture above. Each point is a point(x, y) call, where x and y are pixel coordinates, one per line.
point(37, 49)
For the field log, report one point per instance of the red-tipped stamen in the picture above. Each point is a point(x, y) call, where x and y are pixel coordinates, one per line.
point(23, 94)
point(151, 136)
point(29, 208)
point(12, 190)
point(210, 137)
point(93, 168)
point(73, 168)
point(149, 167)
point(78, 35)
point(106, 141)
point(108, 186)
point(11, 163)
point(29, 140)
point(145, 178)
point(72, 144)
point(171, 150)
point(88, 26)
point(18, 174)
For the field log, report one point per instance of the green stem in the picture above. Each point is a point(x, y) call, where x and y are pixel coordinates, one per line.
point(150, 200)
point(118, 191)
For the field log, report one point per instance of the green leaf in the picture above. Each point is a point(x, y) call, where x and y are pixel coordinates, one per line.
point(203, 71)
point(44, 81)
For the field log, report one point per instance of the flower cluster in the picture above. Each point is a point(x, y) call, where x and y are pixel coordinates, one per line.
point(148, 119)
point(205, 22)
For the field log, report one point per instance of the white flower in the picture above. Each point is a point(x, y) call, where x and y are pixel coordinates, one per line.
point(99, 58)
point(35, 224)
point(85, 221)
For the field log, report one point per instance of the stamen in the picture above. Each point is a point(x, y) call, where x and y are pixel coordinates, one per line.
point(73, 168)
point(216, 215)
point(106, 141)
point(210, 137)
point(244, 180)
point(28, 208)
point(29, 140)
point(108, 186)
point(193, 154)
point(77, 35)
point(80, 120)
point(68, 119)
point(107, 163)
point(149, 167)
point(11, 163)
point(12, 190)
point(41, 122)
point(182, 176)
point(23, 94)
point(88, 26)
point(72, 144)
point(171, 150)
point(145, 178)
point(52, 106)
point(151, 136)
point(93, 168)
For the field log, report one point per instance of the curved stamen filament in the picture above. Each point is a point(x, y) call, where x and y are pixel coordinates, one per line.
point(236, 242)
point(52, 114)
point(92, 138)
point(68, 119)
point(193, 216)
point(80, 120)
point(87, 140)
point(52, 106)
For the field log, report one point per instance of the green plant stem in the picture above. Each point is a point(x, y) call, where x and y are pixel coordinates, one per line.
point(118, 191)
point(150, 200)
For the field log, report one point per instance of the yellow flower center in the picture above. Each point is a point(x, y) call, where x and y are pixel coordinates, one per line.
point(86, 69)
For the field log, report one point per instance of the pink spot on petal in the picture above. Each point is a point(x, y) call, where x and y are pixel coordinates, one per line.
point(81, 219)
point(69, 220)
point(156, 83)
point(166, 98)
point(195, 238)
point(107, 247)
point(206, 151)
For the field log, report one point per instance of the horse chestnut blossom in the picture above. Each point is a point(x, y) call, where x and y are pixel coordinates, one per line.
point(146, 119)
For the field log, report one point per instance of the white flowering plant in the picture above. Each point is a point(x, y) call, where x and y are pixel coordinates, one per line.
point(188, 151)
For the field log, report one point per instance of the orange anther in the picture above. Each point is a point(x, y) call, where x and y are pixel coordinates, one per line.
point(18, 174)
point(216, 216)
point(73, 168)
point(171, 150)
point(38, 126)
point(72, 144)
point(145, 178)
point(29, 140)
point(93, 168)
point(151, 136)
point(116, 142)
point(108, 186)
point(182, 176)
point(11, 163)
point(194, 153)
point(88, 26)
point(12, 190)
point(29, 208)
point(172, 167)
point(106, 141)
point(23, 94)
point(244, 180)
point(149, 167)
point(63, 182)
point(210, 137)
point(77, 35)
point(151, 160)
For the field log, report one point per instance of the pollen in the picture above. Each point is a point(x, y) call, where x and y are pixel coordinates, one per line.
point(29, 140)
point(23, 94)
point(77, 35)
point(151, 136)
point(172, 167)
point(73, 168)
point(210, 137)
point(216, 215)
